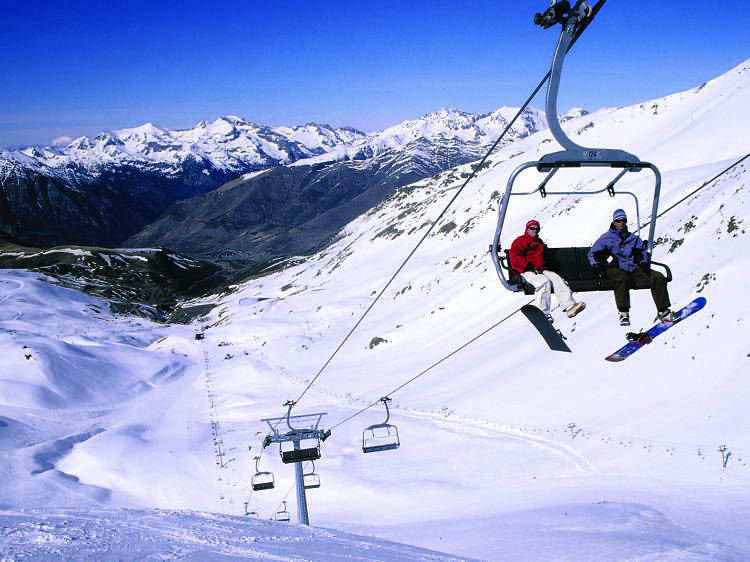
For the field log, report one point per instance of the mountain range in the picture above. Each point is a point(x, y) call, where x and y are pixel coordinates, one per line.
point(100, 191)
point(104, 190)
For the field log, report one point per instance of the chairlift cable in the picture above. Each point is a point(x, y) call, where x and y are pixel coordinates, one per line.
point(283, 500)
point(474, 170)
point(415, 377)
point(696, 190)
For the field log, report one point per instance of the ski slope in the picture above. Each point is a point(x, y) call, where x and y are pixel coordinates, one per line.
point(509, 451)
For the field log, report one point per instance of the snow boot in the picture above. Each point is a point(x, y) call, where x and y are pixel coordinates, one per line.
point(575, 308)
point(624, 319)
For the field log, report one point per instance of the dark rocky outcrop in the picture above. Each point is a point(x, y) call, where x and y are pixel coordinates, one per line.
point(150, 282)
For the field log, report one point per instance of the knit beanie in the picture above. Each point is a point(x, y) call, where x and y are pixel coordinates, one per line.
point(619, 214)
point(532, 222)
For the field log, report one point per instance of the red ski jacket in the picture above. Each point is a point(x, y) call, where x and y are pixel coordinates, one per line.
point(526, 253)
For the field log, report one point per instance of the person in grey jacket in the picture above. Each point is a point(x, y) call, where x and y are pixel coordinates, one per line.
point(630, 258)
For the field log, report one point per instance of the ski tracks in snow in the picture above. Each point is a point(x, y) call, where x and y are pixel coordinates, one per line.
point(494, 430)
point(476, 427)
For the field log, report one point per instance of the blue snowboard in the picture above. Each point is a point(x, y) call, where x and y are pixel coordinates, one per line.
point(630, 348)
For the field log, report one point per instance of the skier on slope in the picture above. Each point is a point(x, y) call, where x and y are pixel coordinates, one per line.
point(526, 258)
point(631, 259)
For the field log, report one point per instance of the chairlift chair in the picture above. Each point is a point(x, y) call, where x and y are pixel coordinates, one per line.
point(282, 514)
point(301, 443)
point(311, 479)
point(381, 436)
point(572, 262)
point(262, 480)
point(301, 446)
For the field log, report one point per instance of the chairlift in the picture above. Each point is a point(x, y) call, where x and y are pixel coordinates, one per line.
point(262, 480)
point(572, 262)
point(310, 479)
point(381, 436)
point(299, 445)
point(250, 513)
point(282, 514)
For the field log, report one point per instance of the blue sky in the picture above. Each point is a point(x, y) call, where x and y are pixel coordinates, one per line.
point(80, 67)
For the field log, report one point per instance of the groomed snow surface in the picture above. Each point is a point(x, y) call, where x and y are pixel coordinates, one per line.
point(123, 439)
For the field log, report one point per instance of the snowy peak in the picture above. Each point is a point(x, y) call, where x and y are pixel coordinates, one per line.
point(574, 113)
point(321, 136)
point(144, 131)
point(229, 143)
point(233, 145)
point(446, 125)
point(454, 123)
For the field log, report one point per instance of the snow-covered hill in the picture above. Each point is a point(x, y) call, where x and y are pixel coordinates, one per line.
point(508, 450)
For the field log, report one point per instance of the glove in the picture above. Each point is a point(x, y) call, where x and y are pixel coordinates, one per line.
point(599, 270)
point(645, 266)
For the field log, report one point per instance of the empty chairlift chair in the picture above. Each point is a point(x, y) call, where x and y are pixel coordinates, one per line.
point(282, 514)
point(381, 436)
point(301, 446)
point(262, 480)
point(310, 479)
point(301, 443)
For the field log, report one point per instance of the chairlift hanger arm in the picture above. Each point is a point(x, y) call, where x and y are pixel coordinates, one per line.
point(574, 19)
point(559, 12)
point(385, 401)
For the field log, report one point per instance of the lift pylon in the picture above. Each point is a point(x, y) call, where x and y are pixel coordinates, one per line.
point(297, 443)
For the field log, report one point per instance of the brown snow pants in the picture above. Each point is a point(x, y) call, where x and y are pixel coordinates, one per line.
point(656, 281)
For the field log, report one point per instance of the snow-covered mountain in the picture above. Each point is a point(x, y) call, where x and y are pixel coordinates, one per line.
point(100, 191)
point(508, 450)
point(471, 130)
point(230, 144)
point(292, 210)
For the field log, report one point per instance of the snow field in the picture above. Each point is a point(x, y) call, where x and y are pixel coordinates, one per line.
point(112, 412)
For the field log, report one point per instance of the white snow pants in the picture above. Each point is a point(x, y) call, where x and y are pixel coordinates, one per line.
point(542, 283)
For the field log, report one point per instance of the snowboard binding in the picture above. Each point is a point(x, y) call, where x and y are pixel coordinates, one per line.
point(638, 338)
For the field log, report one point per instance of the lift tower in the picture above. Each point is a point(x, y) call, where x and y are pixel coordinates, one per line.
point(297, 443)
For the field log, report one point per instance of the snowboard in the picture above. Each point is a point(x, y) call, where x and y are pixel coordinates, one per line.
point(631, 347)
point(553, 337)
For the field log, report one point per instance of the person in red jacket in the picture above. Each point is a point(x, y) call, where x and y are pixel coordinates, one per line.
point(527, 259)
